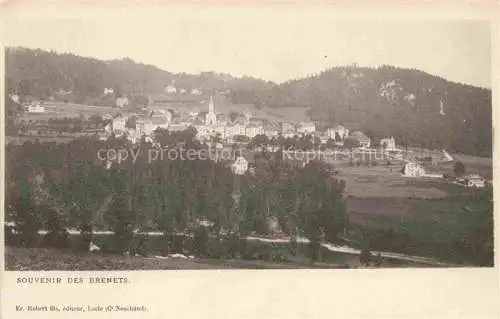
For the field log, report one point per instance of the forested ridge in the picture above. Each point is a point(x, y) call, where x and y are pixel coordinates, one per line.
point(417, 108)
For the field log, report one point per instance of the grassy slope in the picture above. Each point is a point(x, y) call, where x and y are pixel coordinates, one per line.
point(435, 225)
point(50, 259)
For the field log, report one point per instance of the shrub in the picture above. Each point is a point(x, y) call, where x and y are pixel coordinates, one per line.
point(86, 237)
point(293, 246)
point(365, 257)
point(200, 241)
point(57, 236)
point(314, 248)
point(11, 237)
point(459, 169)
point(177, 243)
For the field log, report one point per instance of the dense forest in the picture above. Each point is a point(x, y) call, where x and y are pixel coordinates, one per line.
point(416, 108)
point(66, 185)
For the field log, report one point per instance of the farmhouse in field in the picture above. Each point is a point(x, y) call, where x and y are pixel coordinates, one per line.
point(413, 169)
point(35, 108)
point(473, 180)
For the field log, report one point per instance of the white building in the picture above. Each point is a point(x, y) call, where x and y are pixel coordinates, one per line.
point(240, 166)
point(35, 108)
point(289, 134)
point(306, 128)
point(108, 129)
point(122, 101)
point(270, 133)
point(108, 91)
point(388, 143)
point(203, 132)
point(287, 127)
point(145, 127)
point(236, 129)
point(253, 130)
point(363, 140)
point(119, 124)
point(473, 180)
point(339, 130)
point(170, 89)
point(413, 169)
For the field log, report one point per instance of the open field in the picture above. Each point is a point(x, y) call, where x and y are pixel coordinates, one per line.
point(42, 139)
point(427, 216)
point(446, 228)
point(386, 181)
point(474, 164)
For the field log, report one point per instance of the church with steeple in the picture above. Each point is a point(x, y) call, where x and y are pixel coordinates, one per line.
point(211, 117)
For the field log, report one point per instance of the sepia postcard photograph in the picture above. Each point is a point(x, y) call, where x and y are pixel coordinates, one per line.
point(232, 138)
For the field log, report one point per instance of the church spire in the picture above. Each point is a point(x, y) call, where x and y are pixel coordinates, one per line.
point(211, 118)
point(211, 105)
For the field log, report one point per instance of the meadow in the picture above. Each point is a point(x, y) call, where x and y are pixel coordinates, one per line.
point(456, 228)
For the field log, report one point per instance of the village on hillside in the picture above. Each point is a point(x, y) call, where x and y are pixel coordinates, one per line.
point(221, 130)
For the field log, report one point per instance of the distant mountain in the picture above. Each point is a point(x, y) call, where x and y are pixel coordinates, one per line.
point(415, 107)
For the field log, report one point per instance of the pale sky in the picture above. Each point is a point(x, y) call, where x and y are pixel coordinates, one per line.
point(271, 44)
